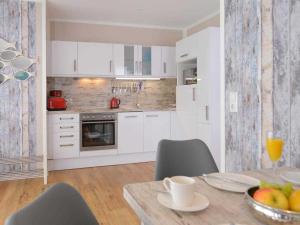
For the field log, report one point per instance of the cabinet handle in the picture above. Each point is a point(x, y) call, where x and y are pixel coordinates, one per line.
point(140, 67)
point(130, 116)
point(67, 145)
point(69, 127)
point(194, 94)
point(110, 65)
point(70, 118)
point(184, 55)
point(136, 67)
point(151, 115)
point(165, 67)
point(66, 136)
point(206, 112)
point(75, 65)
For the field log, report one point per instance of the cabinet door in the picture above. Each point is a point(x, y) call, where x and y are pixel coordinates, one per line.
point(186, 98)
point(118, 59)
point(95, 59)
point(169, 67)
point(186, 125)
point(130, 61)
point(146, 61)
point(156, 127)
point(64, 58)
point(130, 132)
point(156, 61)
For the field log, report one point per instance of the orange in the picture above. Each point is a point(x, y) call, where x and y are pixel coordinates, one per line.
point(294, 201)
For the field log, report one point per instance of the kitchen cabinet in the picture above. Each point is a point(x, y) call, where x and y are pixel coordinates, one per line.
point(63, 58)
point(63, 136)
point(137, 60)
point(130, 132)
point(186, 98)
point(168, 60)
point(187, 48)
point(95, 59)
point(156, 127)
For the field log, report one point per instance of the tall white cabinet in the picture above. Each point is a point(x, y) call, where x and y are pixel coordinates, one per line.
point(198, 105)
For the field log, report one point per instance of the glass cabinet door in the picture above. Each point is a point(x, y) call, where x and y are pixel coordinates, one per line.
point(128, 60)
point(146, 61)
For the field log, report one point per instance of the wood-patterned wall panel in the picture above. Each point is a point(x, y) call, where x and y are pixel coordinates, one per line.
point(295, 82)
point(242, 69)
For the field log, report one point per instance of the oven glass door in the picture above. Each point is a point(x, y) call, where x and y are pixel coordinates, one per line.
point(97, 134)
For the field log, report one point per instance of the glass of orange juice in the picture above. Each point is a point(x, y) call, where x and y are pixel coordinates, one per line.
point(274, 147)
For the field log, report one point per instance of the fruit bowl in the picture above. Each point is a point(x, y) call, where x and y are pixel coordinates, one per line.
point(269, 215)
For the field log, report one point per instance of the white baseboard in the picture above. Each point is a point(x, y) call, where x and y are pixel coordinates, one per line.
point(108, 160)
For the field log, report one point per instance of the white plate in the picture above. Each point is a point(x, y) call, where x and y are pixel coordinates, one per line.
point(231, 186)
point(200, 203)
point(291, 176)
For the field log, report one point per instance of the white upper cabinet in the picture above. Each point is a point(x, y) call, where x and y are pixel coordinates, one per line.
point(187, 48)
point(168, 61)
point(118, 59)
point(95, 59)
point(81, 59)
point(156, 61)
point(64, 58)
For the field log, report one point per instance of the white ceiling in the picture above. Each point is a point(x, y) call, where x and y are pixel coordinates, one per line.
point(176, 14)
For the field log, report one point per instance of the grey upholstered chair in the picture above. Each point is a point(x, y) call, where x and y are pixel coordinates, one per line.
point(60, 204)
point(185, 158)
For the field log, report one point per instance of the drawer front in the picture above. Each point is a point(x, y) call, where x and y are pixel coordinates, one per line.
point(66, 127)
point(64, 118)
point(68, 149)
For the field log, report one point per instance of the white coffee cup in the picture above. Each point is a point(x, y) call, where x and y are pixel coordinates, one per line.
point(181, 189)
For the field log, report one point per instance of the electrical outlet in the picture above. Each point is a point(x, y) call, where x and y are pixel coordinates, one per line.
point(233, 101)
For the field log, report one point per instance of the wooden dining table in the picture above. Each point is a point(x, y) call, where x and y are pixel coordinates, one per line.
point(224, 208)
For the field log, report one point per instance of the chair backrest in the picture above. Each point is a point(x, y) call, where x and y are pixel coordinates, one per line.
point(183, 158)
point(60, 204)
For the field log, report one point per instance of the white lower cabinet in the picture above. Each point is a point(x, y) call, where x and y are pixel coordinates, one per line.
point(63, 136)
point(156, 127)
point(130, 132)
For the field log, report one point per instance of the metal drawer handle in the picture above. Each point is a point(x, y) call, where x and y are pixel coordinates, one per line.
point(206, 112)
point(70, 127)
point(165, 67)
point(66, 136)
point(130, 116)
point(194, 94)
point(70, 118)
point(110, 66)
point(151, 115)
point(75, 65)
point(184, 55)
point(67, 145)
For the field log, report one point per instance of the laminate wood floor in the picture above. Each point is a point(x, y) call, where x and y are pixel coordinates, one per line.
point(101, 187)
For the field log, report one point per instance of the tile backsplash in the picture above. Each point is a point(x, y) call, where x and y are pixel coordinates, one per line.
point(97, 92)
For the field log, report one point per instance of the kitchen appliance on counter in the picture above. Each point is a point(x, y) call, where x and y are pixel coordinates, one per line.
point(98, 131)
point(189, 76)
point(115, 103)
point(55, 101)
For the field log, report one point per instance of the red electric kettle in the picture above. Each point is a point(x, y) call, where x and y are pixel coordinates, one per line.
point(115, 103)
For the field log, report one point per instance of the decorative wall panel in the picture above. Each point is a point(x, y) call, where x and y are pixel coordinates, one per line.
point(242, 69)
point(278, 89)
point(18, 98)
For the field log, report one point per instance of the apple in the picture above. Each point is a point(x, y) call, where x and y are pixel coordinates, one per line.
point(271, 197)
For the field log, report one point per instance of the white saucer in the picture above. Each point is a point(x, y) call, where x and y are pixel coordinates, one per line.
point(222, 181)
point(291, 176)
point(200, 203)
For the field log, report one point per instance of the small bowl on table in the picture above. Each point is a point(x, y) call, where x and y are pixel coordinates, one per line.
point(269, 215)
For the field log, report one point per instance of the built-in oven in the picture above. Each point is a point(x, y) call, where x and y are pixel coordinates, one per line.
point(98, 131)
